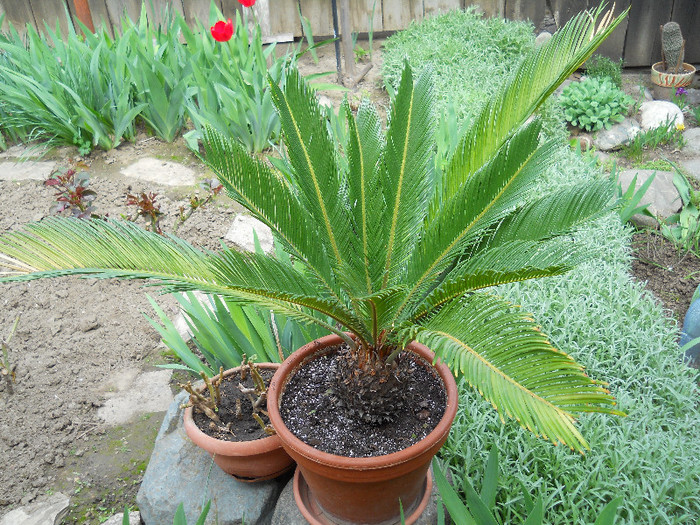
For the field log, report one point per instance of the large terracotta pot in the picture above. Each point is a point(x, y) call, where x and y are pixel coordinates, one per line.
point(360, 490)
point(248, 461)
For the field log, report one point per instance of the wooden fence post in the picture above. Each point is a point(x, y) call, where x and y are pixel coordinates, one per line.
point(82, 9)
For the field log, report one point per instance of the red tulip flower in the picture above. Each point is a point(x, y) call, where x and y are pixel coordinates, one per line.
point(247, 3)
point(222, 31)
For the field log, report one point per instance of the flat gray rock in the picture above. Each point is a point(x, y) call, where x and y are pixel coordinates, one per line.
point(692, 140)
point(162, 172)
point(135, 393)
point(662, 196)
point(29, 170)
point(657, 113)
point(617, 136)
point(241, 233)
point(692, 167)
point(180, 472)
point(46, 511)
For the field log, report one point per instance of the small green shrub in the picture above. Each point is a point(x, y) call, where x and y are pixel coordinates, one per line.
point(599, 66)
point(471, 56)
point(594, 103)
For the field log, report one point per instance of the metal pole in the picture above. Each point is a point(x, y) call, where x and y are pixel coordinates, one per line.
point(346, 30)
point(334, 7)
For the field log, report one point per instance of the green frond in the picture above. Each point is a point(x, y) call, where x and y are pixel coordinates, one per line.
point(478, 280)
point(504, 355)
point(535, 79)
point(408, 171)
point(270, 198)
point(481, 201)
point(312, 155)
point(111, 249)
point(557, 213)
point(380, 308)
point(365, 144)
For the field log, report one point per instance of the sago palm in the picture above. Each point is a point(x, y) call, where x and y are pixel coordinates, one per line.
point(384, 248)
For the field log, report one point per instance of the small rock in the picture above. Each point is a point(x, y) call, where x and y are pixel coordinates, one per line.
point(542, 38)
point(243, 230)
point(692, 167)
point(658, 112)
point(59, 462)
point(662, 195)
point(324, 101)
point(617, 136)
point(166, 173)
point(692, 140)
point(88, 323)
point(46, 511)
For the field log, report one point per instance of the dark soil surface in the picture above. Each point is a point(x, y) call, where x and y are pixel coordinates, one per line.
point(310, 409)
point(670, 274)
point(236, 421)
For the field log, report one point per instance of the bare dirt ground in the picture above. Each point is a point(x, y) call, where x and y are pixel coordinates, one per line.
point(75, 334)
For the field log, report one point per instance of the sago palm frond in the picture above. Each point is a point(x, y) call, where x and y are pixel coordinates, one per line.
point(503, 354)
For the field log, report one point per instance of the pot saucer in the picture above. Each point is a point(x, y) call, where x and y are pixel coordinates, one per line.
point(315, 515)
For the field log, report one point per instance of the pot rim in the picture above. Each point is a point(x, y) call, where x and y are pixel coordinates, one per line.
point(231, 448)
point(306, 353)
point(690, 69)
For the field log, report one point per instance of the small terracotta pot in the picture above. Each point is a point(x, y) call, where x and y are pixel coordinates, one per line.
point(247, 461)
point(361, 490)
point(672, 80)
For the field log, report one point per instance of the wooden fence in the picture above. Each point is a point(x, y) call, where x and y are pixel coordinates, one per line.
point(637, 40)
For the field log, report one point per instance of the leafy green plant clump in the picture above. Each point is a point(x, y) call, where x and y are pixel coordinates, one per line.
point(471, 56)
point(594, 103)
point(600, 66)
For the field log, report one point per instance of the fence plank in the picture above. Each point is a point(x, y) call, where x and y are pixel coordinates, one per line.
point(19, 14)
point(526, 10)
point(433, 7)
point(100, 16)
point(687, 14)
point(117, 9)
point(284, 18)
point(613, 47)
point(397, 14)
point(491, 8)
point(50, 13)
point(643, 44)
point(320, 16)
point(361, 14)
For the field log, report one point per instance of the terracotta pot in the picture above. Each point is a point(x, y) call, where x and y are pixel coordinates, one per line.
point(360, 490)
point(248, 461)
point(672, 80)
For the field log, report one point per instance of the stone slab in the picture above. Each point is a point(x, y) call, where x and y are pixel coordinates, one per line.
point(692, 167)
point(46, 511)
point(162, 172)
point(135, 394)
point(241, 233)
point(692, 140)
point(29, 170)
point(662, 196)
point(180, 472)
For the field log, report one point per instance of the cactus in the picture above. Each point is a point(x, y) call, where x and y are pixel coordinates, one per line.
point(672, 47)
